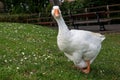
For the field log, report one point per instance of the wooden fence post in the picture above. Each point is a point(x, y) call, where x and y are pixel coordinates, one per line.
point(86, 10)
point(108, 13)
point(108, 10)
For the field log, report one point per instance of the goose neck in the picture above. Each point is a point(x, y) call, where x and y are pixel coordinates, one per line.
point(61, 24)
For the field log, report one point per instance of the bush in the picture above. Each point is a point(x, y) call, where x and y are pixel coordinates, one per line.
point(13, 18)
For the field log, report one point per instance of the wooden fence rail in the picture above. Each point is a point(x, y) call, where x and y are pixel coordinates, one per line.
point(111, 12)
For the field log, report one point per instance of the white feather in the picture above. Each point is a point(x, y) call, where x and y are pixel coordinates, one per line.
point(77, 45)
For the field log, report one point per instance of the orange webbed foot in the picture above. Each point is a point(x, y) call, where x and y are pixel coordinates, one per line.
point(86, 70)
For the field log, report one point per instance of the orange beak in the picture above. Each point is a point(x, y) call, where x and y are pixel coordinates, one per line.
point(56, 12)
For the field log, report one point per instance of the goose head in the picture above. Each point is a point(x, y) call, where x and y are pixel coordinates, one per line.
point(56, 13)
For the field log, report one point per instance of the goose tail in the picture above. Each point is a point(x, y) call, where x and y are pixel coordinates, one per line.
point(102, 37)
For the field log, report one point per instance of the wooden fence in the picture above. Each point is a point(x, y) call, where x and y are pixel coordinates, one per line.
point(111, 11)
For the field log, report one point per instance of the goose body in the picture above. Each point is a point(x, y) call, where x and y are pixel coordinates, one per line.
point(79, 46)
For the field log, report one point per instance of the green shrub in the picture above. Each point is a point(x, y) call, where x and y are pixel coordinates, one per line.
point(14, 18)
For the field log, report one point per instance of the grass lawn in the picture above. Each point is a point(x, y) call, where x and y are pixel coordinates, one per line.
point(30, 52)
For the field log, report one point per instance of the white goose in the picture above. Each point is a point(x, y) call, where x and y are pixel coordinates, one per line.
point(79, 46)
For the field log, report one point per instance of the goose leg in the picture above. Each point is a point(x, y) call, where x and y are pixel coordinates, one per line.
point(87, 70)
point(78, 68)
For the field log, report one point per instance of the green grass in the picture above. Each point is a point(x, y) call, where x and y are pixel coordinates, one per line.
point(30, 52)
